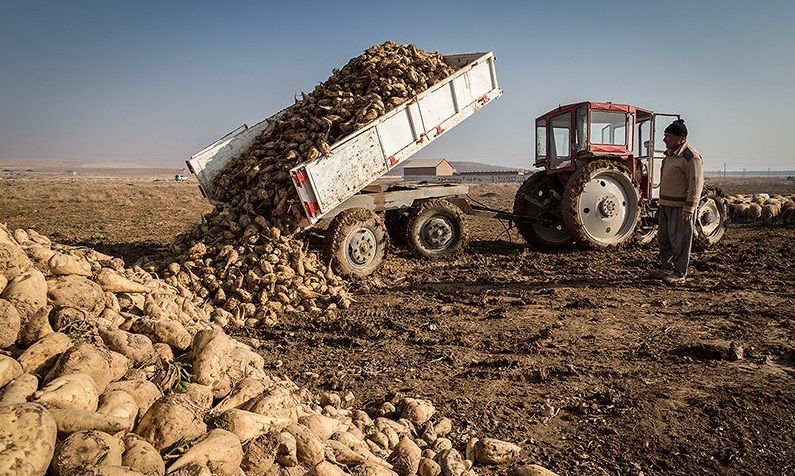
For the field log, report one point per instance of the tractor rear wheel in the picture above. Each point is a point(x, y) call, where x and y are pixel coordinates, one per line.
point(538, 200)
point(601, 205)
point(711, 219)
point(356, 242)
point(435, 229)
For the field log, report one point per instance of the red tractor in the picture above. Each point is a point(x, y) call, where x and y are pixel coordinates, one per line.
point(600, 183)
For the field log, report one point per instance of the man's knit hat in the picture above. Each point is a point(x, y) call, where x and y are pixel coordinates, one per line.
point(677, 128)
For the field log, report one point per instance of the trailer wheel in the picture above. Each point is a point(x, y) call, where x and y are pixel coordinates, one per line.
point(435, 229)
point(711, 217)
point(356, 242)
point(601, 205)
point(536, 199)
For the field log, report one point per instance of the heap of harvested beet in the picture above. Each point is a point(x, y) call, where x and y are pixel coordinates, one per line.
point(105, 370)
point(244, 257)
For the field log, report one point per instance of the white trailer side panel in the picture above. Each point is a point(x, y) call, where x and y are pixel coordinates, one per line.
point(335, 181)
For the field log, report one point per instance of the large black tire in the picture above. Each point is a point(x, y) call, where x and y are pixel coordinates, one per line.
point(711, 219)
point(435, 229)
point(535, 199)
point(601, 205)
point(356, 243)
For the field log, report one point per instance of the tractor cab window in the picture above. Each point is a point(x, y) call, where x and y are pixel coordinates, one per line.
point(582, 130)
point(541, 142)
point(560, 141)
point(608, 127)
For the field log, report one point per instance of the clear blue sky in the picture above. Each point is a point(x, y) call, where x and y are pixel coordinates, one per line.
point(154, 81)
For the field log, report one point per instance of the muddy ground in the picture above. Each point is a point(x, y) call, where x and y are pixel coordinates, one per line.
point(577, 356)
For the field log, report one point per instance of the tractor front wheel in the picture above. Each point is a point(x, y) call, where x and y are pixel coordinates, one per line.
point(601, 205)
point(539, 201)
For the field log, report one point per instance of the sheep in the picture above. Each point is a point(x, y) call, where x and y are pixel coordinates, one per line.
point(761, 196)
point(770, 212)
point(788, 216)
point(730, 210)
point(754, 212)
point(741, 212)
point(788, 212)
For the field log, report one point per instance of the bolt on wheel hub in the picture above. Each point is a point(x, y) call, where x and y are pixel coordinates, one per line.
point(608, 206)
point(361, 247)
point(707, 217)
point(437, 233)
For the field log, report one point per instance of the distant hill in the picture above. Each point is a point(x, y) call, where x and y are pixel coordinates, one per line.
point(460, 167)
point(58, 167)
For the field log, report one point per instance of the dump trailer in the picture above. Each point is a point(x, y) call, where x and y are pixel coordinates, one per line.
point(343, 187)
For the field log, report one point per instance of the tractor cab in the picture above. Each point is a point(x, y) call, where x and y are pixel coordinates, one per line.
point(572, 135)
point(600, 180)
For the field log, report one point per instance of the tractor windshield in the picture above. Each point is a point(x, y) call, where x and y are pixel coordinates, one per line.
point(608, 128)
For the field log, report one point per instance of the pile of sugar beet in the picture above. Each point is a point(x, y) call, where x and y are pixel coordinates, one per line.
point(110, 370)
point(244, 256)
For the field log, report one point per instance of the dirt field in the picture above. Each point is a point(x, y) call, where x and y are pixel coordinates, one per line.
point(576, 356)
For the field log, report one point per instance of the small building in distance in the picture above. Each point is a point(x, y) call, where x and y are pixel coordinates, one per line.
point(438, 167)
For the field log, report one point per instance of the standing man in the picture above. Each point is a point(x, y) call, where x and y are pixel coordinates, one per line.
point(681, 183)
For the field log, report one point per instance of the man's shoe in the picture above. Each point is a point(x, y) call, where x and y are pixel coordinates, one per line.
point(660, 273)
point(674, 279)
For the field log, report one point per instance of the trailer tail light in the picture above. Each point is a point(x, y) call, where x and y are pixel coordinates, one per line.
point(311, 208)
point(299, 177)
point(439, 130)
point(392, 161)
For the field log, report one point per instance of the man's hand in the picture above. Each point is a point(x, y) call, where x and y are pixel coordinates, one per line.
point(686, 215)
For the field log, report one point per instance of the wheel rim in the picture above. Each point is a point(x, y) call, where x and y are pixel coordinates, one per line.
point(709, 217)
point(437, 233)
point(608, 207)
point(361, 247)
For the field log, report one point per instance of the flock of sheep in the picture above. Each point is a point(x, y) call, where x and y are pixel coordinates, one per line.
point(762, 208)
